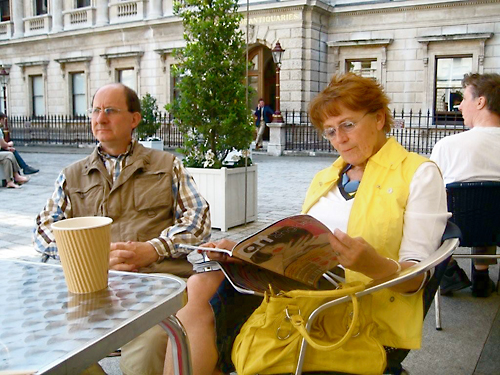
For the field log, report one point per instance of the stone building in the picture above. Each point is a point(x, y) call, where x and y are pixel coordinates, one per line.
point(58, 52)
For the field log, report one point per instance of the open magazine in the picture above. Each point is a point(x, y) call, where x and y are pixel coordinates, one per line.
point(292, 253)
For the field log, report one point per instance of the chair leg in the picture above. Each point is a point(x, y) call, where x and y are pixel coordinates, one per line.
point(437, 306)
point(498, 281)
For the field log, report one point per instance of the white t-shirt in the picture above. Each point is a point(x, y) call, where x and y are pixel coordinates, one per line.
point(424, 218)
point(473, 155)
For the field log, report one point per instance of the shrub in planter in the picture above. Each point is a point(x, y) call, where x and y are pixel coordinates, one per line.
point(211, 109)
point(147, 128)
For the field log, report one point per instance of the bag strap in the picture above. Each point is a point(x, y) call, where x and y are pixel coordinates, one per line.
point(299, 324)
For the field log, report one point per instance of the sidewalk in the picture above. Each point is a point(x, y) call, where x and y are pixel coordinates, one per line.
point(470, 338)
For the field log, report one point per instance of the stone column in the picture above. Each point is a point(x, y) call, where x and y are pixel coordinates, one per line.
point(155, 9)
point(57, 16)
point(169, 7)
point(17, 17)
point(277, 139)
point(102, 13)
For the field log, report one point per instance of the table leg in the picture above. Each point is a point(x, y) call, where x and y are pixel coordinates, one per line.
point(180, 345)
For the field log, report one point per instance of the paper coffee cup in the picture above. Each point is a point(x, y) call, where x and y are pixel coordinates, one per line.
point(83, 245)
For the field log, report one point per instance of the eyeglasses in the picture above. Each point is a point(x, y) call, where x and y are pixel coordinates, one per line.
point(110, 111)
point(347, 127)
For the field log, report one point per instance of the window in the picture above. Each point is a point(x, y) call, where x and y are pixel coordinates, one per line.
point(78, 95)
point(364, 68)
point(37, 95)
point(127, 77)
point(449, 74)
point(40, 7)
point(82, 3)
point(4, 10)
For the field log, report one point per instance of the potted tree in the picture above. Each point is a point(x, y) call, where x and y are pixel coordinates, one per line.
point(149, 125)
point(211, 109)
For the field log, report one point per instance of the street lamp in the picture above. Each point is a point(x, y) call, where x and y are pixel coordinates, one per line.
point(4, 79)
point(277, 52)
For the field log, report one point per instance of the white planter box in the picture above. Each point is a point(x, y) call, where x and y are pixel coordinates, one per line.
point(224, 189)
point(157, 145)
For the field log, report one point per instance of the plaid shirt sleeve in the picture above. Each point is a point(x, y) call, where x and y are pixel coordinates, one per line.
point(192, 216)
point(58, 207)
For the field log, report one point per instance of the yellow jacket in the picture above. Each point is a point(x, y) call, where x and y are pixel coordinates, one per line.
point(377, 216)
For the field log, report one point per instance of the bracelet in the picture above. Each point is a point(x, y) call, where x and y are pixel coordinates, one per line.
point(397, 264)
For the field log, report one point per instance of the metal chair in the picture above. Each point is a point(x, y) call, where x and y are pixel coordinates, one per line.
point(476, 211)
point(438, 260)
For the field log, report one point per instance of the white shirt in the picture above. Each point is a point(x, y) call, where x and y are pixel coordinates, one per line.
point(473, 155)
point(424, 218)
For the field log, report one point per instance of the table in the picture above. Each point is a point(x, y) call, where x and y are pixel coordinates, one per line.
point(45, 329)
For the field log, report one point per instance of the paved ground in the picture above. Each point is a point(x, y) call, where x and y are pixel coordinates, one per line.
point(468, 343)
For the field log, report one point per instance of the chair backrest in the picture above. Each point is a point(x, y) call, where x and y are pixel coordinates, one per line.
point(475, 207)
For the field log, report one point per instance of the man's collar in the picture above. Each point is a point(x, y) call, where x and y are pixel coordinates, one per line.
point(104, 154)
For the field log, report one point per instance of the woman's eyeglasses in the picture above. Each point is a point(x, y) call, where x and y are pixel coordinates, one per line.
point(347, 127)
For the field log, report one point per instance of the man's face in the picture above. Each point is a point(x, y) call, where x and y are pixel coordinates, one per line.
point(469, 107)
point(261, 103)
point(113, 130)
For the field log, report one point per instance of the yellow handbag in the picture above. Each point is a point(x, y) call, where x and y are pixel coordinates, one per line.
point(341, 338)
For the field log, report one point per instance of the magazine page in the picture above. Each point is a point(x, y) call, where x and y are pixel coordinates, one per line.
point(250, 279)
point(296, 247)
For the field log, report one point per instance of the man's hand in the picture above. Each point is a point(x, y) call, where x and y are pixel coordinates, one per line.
point(130, 256)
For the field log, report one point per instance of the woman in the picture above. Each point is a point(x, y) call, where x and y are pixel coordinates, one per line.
point(390, 212)
point(11, 170)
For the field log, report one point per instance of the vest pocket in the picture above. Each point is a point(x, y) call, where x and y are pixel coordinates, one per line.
point(85, 201)
point(152, 192)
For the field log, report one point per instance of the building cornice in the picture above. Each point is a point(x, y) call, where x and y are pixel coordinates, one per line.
point(402, 6)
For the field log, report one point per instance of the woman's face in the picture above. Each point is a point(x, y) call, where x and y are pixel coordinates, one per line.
point(364, 137)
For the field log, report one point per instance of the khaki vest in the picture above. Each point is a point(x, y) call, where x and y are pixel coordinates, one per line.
point(377, 216)
point(140, 201)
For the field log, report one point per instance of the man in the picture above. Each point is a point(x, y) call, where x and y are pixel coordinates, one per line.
point(151, 198)
point(9, 146)
point(473, 156)
point(263, 114)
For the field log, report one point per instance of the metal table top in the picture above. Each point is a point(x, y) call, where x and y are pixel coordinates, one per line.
point(46, 329)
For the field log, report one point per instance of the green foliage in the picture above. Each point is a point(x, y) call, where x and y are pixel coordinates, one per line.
point(149, 110)
point(210, 110)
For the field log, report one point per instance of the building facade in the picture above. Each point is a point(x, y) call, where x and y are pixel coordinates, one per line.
point(59, 52)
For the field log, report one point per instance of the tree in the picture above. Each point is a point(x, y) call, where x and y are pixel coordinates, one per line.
point(211, 109)
point(149, 125)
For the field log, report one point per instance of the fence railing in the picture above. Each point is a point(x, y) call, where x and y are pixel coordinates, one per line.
point(416, 131)
point(75, 131)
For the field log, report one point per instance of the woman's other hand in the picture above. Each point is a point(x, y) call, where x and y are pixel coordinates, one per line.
point(215, 255)
point(358, 255)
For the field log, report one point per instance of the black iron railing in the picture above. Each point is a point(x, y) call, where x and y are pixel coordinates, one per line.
point(416, 131)
point(75, 131)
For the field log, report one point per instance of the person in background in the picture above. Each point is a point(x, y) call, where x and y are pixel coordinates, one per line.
point(385, 206)
point(11, 170)
point(9, 146)
point(263, 114)
point(153, 201)
point(473, 156)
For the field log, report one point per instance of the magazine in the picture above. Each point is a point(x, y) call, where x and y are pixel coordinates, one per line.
point(295, 250)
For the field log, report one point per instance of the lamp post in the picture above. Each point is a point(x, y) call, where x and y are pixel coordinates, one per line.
point(277, 52)
point(4, 79)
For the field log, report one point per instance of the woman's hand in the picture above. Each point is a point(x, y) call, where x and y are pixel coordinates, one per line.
point(358, 255)
point(215, 255)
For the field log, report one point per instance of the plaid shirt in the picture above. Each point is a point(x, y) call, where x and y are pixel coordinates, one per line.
point(192, 220)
